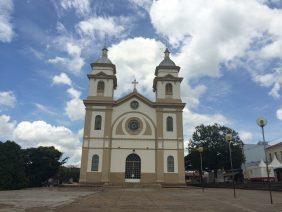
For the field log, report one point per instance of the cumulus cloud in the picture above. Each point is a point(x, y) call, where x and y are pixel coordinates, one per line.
point(62, 78)
point(6, 127)
point(192, 119)
point(6, 27)
point(246, 136)
point(209, 35)
point(74, 62)
point(273, 79)
point(40, 133)
point(7, 99)
point(75, 108)
point(98, 26)
point(136, 64)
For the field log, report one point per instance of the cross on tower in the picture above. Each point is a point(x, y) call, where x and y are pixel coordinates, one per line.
point(134, 84)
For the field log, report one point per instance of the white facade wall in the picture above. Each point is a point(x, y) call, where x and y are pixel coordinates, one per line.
point(132, 144)
point(92, 152)
point(106, 70)
point(97, 133)
point(96, 143)
point(170, 144)
point(161, 90)
point(118, 158)
point(164, 72)
point(108, 92)
point(125, 107)
point(174, 154)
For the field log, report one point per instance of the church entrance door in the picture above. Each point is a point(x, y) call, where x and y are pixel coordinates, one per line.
point(132, 168)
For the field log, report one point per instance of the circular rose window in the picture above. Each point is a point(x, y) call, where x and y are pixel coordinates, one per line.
point(134, 105)
point(133, 125)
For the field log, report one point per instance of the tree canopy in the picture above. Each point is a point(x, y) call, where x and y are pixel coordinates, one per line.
point(28, 167)
point(12, 166)
point(215, 148)
point(42, 163)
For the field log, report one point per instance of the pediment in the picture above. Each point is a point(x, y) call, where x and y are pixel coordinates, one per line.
point(136, 95)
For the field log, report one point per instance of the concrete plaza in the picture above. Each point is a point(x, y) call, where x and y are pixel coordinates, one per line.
point(138, 199)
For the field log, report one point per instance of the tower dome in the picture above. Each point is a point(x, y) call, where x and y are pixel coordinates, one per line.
point(104, 57)
point(167, 61)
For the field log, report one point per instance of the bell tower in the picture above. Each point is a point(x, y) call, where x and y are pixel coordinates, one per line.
point(167, 83)
point(102, 79)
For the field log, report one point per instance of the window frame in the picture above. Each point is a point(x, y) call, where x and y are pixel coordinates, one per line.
point(95, 163)
point(170, 164)
point(98, 126)
point(169, 124)
point(100, 87)
point(168, 89)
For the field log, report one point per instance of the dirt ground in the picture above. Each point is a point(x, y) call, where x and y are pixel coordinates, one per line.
point(138, 199)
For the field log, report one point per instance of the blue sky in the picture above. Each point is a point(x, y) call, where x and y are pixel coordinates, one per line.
point(229, 51)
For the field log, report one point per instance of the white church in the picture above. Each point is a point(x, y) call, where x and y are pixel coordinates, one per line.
point(133, 139)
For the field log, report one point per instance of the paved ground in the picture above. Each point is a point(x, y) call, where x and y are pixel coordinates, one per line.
point(137, 199)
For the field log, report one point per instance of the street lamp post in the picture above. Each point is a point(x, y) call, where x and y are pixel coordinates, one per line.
point(228, 138)
point(262, 122)
point(201, 149)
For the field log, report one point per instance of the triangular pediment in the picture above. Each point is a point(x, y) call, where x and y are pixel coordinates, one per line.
point(136, 95)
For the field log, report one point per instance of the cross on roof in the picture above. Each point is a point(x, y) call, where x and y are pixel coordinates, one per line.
point(134, 84)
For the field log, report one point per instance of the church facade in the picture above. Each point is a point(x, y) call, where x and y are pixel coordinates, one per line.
point(133, 139)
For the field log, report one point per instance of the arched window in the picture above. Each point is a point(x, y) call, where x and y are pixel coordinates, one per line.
point(169, 123)
point(98, 122)
point(100, 87)
point(168, 89)
point(95, 163)
point(170, 164)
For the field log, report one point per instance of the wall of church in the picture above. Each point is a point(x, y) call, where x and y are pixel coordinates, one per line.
point(133, 144)
point(109, 84)
point(125, 108)
point(118, 158)
point(164, 72)
point(161, 90)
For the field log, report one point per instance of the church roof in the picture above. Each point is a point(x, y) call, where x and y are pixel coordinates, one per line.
point(104, 61)
point(131, 95)
point(166, 63)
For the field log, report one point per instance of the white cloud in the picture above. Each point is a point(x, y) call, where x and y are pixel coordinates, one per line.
point(140, 64)
point(75, 108)
point(7, 99)
point(74, 62)
point(6, 27)
point(246, 136)
point(6, 127)
point(98, 26)
point(273, 79)
point(39, 133)
point(81, 7)
point(279, 114)
point(62, 78)
point(192, 120)
point(44, 109)
point(211, 33)
point(74, 93)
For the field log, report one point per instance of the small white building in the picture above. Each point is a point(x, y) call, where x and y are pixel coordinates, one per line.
point(257, 172)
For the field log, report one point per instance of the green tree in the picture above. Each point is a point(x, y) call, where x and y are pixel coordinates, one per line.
point(12, 167)
point(42, 163)
point(67, 173)
point(216, 152)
